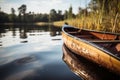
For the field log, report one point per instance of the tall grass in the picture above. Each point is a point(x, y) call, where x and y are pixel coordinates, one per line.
point(101, 21)
point(108, 23)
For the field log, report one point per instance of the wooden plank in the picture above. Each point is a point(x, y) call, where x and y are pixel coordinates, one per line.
point(80, 36)
point(104, 41)
point(72, 32)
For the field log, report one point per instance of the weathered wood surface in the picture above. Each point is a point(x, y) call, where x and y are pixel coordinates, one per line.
point(86, 69)
point(104, 36)
point(105, 41)
point(92, 53)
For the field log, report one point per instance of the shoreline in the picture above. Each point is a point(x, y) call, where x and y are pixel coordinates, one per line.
point(37, 23)
point(79, 23)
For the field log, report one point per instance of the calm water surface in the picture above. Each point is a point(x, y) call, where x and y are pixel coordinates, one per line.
point(32, 53)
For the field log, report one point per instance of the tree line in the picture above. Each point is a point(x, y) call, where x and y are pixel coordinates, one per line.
point(24, 17)
point(99, 10)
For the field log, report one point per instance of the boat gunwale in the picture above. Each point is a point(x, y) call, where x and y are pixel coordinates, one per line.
point(93, 30)
point(88, 42)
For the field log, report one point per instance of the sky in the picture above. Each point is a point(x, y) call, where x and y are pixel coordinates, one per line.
point(42, 6)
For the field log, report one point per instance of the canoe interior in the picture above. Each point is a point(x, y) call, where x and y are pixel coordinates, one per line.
point(107, 41)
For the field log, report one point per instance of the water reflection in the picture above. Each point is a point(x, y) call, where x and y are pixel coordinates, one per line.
point(54, 31)
point(24, 33)
point(85, 68)
point(32, 53)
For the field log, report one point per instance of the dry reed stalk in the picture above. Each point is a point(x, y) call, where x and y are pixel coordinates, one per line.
point(114, 26)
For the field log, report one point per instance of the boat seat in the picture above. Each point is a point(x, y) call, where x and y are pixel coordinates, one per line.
point(105, 41)
point(72, 32)
point(84, 36)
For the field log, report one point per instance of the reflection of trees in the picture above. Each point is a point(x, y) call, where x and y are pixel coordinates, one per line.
point(53, 33)
point(23, 32)
point(2, 29)
point(23, 35)
point(54, 30)
point(12, 28)
point(0, 35)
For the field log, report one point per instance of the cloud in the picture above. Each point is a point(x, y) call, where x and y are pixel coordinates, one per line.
point(56, 1)
point(21, 75)
point(1, 1)
point(43, 6)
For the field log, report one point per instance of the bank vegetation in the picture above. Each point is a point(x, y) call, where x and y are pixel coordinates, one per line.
point(101, 15)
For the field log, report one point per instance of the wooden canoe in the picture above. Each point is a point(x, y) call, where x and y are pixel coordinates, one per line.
point(99, 47)
point(86, 69)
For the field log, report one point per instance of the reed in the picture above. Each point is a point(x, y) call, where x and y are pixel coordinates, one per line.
point(108, 24)
point(100, 21)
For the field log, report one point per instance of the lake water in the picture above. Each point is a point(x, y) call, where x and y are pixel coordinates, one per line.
point(32, 53)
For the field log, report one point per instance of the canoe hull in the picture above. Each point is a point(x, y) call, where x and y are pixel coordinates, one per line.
point(85, 68)
point(91, 52)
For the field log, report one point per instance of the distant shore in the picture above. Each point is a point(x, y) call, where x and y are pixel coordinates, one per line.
point(57, 23)
point(37, 23)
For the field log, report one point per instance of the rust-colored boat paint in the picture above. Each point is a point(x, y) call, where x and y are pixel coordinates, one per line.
point(103, 36)
point(86, 69)
point(92, 51)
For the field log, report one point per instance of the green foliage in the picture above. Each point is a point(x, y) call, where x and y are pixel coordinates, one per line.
point(66, 15)
point(52, 15)
point(108, 12)
point(109, 6)
point(55, 16)
point(4, 17)
point(70, 13)
point(22, 9)
point(12, 16)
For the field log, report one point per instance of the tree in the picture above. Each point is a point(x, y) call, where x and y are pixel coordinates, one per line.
point(4, 17)
point(52, 15)
point(13, 10)
point(22, 11)
point(107, 6)
point(0, 9)
point(79, 12)
point(59, 15)
point(93, 6)
point(70, 13)
point(66, 15)
point(12, 16)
